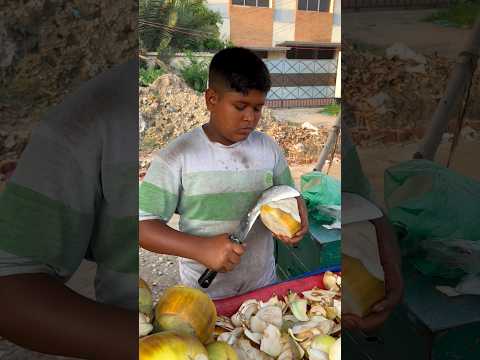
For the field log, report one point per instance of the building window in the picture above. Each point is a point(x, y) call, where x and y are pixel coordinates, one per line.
point(311, 54)
point(257, 3)
point(261, 54)
point(314, 5)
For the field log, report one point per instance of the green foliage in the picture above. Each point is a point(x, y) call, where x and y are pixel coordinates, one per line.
point(148, 75)
point(331, 109)
point(196, 73)
point(460, 14)
point(178, 25)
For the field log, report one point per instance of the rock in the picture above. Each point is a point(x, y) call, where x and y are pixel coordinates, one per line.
point(420, 69)
point(469, 134)
point(446, 138)
point(307, 125)
point(403, 52)
point(378, 100)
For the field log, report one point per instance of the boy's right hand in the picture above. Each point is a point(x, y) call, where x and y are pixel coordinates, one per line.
point(221, 254)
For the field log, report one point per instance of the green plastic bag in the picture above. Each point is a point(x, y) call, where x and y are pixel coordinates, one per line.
point(322, 194)
point(429, 202)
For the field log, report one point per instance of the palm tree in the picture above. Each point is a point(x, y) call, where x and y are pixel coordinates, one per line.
point(179, 24)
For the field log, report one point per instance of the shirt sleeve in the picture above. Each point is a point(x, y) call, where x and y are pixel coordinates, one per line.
point(281, 171)
point(353, 178)
point(159, 191)
point(47, 209)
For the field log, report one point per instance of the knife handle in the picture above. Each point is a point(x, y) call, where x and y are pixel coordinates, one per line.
point(207, 277)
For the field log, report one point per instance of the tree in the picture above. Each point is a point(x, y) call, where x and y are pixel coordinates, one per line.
point(173, 25)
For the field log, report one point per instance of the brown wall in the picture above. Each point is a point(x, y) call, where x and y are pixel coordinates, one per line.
point(251, 26)
point(313, 26)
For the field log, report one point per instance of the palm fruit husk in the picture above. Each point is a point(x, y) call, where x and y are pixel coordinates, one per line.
point(145, 300)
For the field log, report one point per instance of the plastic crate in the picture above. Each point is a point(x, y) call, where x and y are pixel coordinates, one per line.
point(229, 306)
point(309, 255)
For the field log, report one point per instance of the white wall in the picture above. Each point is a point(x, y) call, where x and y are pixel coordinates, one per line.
point(337, 22)
point(284, 21)
point(221, 6)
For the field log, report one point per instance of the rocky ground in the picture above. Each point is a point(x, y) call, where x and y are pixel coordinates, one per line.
point(49, 47)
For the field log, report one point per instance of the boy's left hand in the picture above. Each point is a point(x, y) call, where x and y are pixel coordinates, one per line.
point(302, 209)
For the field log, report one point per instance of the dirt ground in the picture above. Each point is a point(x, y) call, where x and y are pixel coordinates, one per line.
point(302, 115)
point(375, 160)
point(383, 28)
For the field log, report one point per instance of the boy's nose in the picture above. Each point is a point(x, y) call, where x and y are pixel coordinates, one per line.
point(248, 115)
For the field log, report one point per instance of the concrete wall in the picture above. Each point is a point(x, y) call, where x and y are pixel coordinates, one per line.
point(337, 22)
point(284, 21)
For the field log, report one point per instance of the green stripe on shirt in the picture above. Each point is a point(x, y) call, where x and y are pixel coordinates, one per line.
point(157, 201)
point(217, 207)
point(115, 244)
point(35, 226)
point(284, 178)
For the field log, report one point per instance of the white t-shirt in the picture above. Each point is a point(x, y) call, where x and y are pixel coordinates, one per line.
point(212, 186)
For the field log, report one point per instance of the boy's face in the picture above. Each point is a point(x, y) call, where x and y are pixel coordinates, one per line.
point(233, 115)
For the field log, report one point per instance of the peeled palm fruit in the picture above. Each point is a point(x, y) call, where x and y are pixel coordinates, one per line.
point(145, 300)
point(281, 217)
point(221, 351)
point(172, 346)
point(360, 289)
point(186, 310)
point(335, 352)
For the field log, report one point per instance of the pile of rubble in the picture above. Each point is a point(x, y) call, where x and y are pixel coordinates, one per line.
point(394, 95)
point(169, 108)
point(48, 48)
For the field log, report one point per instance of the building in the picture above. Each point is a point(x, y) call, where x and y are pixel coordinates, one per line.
point(299, 40)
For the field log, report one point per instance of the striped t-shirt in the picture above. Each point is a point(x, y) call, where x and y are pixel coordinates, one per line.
point(74, 193)
point(212, 186)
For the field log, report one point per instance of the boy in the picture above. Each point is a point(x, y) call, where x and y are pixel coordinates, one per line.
point(212, 176)
point(72, 197)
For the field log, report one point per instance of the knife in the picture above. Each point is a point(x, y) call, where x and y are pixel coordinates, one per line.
point(274, 193)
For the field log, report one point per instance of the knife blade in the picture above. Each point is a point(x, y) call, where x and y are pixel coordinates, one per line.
point(274, 193)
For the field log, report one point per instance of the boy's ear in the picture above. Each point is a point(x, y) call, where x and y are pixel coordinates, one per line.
point(211, 98)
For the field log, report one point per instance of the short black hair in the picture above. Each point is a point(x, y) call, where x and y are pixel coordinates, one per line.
point(238, 69)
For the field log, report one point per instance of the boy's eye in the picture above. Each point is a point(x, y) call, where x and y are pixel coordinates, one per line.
point(258, 109)
point(240, 107)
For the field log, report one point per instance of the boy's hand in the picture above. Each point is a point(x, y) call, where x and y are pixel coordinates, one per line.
point(302, 209)
point(221, 254)
point(390, 259)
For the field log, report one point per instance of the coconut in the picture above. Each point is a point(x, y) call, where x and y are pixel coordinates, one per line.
point(186, 310)
point(221, 351)
point(172, 346)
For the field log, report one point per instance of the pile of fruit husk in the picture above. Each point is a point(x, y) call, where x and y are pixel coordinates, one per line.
point(304, 325)
point(394, 98)
point(49, 48)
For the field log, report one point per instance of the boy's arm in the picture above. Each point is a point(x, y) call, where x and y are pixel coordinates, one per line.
point(64, 322)
point(217, 253)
